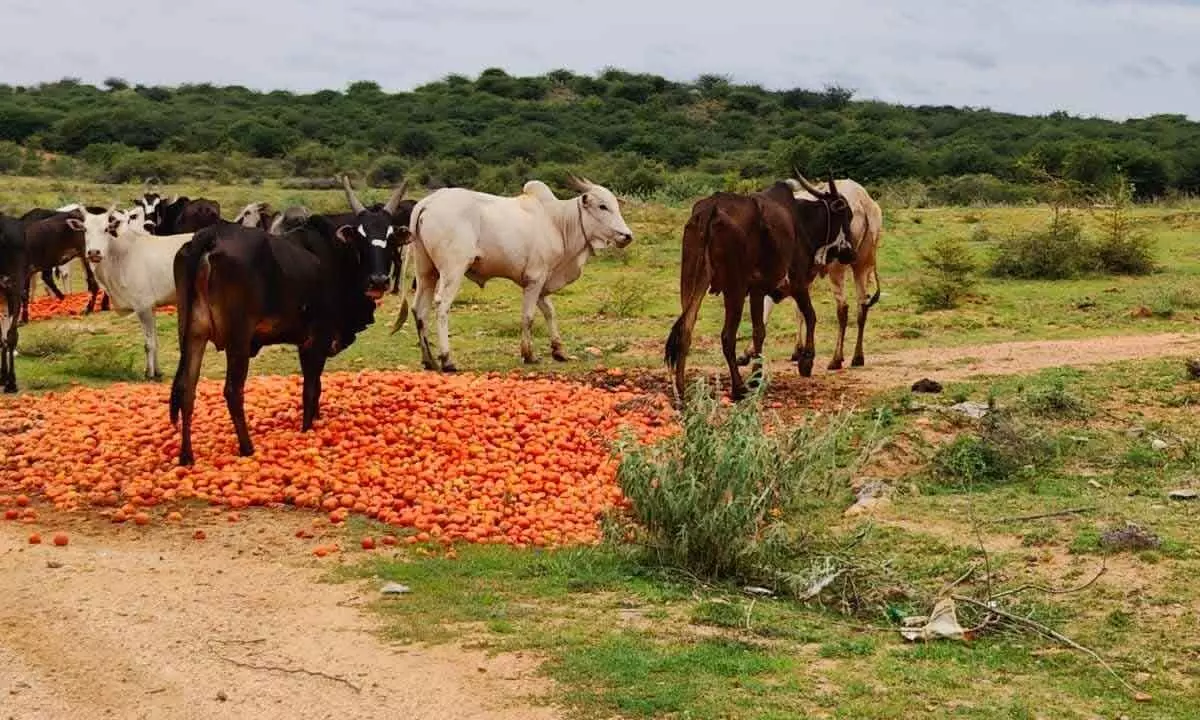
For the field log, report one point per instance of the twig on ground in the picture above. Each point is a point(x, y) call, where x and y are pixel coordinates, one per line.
point(1040, 516)
point(1055, 591)
point(1052, 634)
point(961, 579)
point(290, 671)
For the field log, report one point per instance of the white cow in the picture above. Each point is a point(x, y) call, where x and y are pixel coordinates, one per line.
point(866, 229)
point(539, 242)
point(135, 268)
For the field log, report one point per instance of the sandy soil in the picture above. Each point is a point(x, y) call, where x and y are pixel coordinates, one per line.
point(130, 622)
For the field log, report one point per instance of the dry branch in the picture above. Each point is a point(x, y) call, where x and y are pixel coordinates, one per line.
point(1041, 516)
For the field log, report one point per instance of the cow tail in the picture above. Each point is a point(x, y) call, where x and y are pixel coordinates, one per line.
point(874, 268)
point(694, 278)
point(402, 314)
point(187, 267)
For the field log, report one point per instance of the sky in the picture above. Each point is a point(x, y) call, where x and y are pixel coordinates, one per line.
point(1107, 58)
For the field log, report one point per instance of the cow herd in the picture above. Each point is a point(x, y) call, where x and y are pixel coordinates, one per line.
point(314, 281)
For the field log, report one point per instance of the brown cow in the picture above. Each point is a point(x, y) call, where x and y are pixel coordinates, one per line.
point(760, 245)
point(50, 241)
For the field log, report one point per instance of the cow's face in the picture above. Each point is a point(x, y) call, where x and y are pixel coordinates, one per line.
point(376, 238)
point(98, 229)
point(253, 215)
point(841, 248)
point(603, 225)
point(152, 204)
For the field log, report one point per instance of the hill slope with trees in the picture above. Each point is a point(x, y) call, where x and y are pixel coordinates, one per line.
point(639, 133)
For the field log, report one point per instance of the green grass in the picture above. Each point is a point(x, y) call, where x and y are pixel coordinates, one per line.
point(624, 640)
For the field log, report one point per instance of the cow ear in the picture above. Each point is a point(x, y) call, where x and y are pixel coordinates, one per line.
point(346, 234)
point(75, 224)
point(586, 200)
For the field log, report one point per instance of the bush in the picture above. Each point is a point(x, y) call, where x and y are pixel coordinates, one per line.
point(313, 160)
point(997, 452)
point(137, 166)
point(1060, 251)
point(979, 190)
point(714, 500)
point(10, 157)
point(387, 170)
point(949, 274)
point(1124, 249)
point(1055, 401)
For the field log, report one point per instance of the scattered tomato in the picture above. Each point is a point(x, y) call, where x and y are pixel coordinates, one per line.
point(35, 539)
point(175, 516)
point(12, 514)
point(141, 518)
point(320, 551)
point(388, 540)
point(368, 543)
point(199, 535)
point(61, 539)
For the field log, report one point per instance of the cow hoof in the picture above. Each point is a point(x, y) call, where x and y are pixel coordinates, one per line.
point(10, 389)
point(797, 354)
point(805, 364)
point(560, 356)
point(186, 460)
point(429, 365)
point(858, 361)
point(835, 364)
point(743, 360)
point(245, 451)
point(531, 360)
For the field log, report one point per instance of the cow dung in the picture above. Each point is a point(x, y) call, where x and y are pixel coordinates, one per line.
point(925, 385)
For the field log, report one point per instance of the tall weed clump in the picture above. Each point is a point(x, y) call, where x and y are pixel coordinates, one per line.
point(715, 499)
point(1124, 248)
point(949, 274)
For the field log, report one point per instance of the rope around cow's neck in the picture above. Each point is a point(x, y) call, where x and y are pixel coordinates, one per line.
point(582, 230)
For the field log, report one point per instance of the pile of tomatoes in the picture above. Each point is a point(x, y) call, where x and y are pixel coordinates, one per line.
point(479, 458)
point(73, 304)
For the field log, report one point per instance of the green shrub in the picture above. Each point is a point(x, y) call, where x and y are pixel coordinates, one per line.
point(948, 275)
point(1058, 252)
point(1123, 249)
point(713, 499)
point(386, 171)
point(1055, 401)
point(10, 157)
point(137, 166)
point(998, 451)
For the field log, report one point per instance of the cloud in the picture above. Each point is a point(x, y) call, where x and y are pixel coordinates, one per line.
point(1029, 56)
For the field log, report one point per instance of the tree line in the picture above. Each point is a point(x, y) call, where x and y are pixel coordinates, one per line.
point(641, 133)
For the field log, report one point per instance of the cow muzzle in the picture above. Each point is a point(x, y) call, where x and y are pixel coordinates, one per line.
point(623, 240)
point(94, 256)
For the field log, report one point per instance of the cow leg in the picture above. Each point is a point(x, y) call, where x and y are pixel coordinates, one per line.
point(183, 390)
point(421, 305)
point(312, 364)
point(149, 332)
point(48, 279)
point(8, 353)
point(768, 305)
point(25, 300)
point(530, 299)
point(397, 270)
point(237, 366)
point(733, 317)
point(808, 353)
point(93, 288)
point(556, 345)
point(443, 298)
point(837, 278)
point(758, 335)
point(860, 287)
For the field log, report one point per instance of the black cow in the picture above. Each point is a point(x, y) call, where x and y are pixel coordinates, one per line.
point(313, 286)
point(181, 215)
point(51, 241)
point(12, 284)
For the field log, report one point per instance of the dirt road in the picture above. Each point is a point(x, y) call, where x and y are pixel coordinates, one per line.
point(956, 363)
point(149, 623)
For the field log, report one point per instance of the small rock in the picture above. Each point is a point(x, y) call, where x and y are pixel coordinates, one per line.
point(395, 589)
point(1159, 444)
point(1130, 537)
point(1142, 312)
point(1193, 368)
point(53, 564)
point(1095, 484)
point(1085, 305)
point(755, 590)
point(1186, 494)
point(971, 409)
point(925, 385)
point(593, 351)
point(221, 696)
point(1134, 432)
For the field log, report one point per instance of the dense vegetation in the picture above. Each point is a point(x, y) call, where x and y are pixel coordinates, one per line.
point(641, 133)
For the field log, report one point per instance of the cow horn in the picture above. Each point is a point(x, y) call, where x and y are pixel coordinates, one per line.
point(393, 202)
point(807, 185)
point(833, 192)
point(355, 205)
point(578, 183)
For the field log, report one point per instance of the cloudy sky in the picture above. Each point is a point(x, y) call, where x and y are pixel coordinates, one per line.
point(1112, 58)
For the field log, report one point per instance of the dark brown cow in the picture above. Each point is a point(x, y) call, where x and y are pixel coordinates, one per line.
point(756, 245)
point(314, 286)
point(179, 216)
point(50, 242)
point(12, 285)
